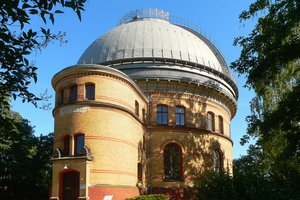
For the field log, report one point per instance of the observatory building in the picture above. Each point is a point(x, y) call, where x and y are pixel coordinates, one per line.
point(145, 110)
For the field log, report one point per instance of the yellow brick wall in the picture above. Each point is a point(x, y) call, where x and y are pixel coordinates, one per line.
point(113, 131)
point(111, 127)
point(196, 142)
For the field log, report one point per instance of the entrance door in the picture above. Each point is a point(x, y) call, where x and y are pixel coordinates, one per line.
point(70, 186)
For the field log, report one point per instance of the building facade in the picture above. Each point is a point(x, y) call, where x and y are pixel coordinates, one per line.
point(145, 110)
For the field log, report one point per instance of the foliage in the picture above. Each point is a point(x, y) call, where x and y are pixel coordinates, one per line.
point(25, 168)
point(24, 158)
point(150, 197)
point(18, 40)
point(250, 182)
point(270, 58)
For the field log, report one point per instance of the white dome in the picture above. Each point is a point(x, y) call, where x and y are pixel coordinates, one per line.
point(152, 38)
point(152, 48)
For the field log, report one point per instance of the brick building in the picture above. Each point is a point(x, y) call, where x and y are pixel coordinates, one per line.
point(146, 108)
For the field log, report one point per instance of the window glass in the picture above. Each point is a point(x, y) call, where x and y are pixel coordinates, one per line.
point(79, 144)
point(90, 92)
point(73, 94)
point(144, 114)
point(179, 116)
point(210, 121)
point(162, 114)
point(66, 146)
point(217, 161)
point(221, 125)
point(137, 108)
point(140, 171)
point(172, 162)
point(61, 100)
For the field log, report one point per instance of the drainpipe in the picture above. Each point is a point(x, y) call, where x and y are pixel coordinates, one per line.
point(150, 142)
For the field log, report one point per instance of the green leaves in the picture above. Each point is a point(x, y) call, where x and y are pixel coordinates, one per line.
point(16, 43)
point(24, 160)
point(270, 59)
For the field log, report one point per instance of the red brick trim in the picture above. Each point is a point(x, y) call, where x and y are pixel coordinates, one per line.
point(111, 139)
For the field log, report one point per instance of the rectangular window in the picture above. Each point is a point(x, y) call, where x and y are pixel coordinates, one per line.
point(179, 116)
point(210, 121)
point(144, 115)
point(66, 151)
point(61, 97)
point(137, 108)
point(90, 92)
point(221, 125)
point(162, 115)
point(140, 171)
point(73, 94)
point(79, 144)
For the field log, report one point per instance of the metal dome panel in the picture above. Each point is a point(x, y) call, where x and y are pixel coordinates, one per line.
point(154, 38)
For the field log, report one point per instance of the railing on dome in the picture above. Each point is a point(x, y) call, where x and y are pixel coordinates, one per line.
point(145, 13)
point(161, 14)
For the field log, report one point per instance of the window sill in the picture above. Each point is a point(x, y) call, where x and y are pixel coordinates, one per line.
point(75, 157)
point(162, 125)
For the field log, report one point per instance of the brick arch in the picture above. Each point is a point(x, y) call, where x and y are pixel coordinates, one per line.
point(172, 141)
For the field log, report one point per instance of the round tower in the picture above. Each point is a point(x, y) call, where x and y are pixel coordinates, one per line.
point(98, 134)
point(162, 101)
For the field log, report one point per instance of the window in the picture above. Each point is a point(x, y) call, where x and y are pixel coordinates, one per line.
point(144, 114)
point(179, 116)
point(221, 126)
point(90, 92)
point(79, 144)
point(217, 161)
point(140, 171)
point(162, 115)
point(66, 150)
point(172, 162)
point(210, 121)
point(73, 94)
point(137, 108)
point(61, 97)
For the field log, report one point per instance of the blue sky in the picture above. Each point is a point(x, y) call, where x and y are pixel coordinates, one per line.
point(218, 19)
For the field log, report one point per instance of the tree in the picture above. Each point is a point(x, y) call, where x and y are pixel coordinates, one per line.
point(18, 40)
point(25, 167)
point(270, 59)
point(249, 182)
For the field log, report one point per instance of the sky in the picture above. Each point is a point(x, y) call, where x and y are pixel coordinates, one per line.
point(217, 19)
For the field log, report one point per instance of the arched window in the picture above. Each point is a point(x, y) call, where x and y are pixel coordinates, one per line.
point(211, 121)
point(162, 115)
point(90, 91)
point(180, 115)
point(172, 162)
point(137, 108)
point(73, 93)
point(217, 161)
point(221, 125)
point(79, 144)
